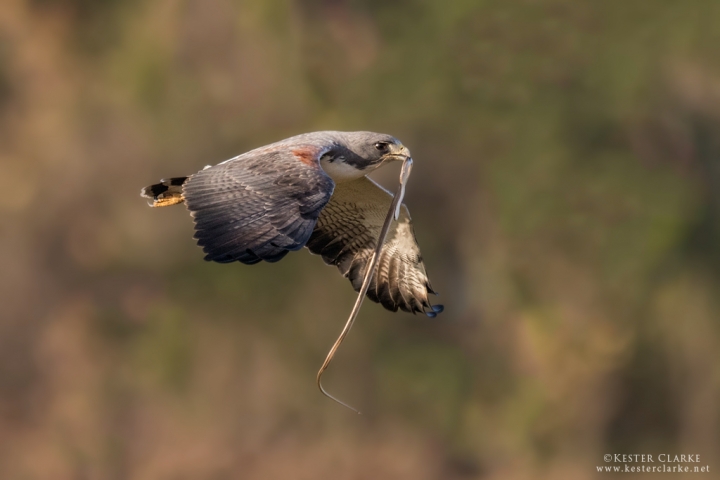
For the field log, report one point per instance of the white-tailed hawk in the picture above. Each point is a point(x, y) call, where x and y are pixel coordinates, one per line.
point(310, 191)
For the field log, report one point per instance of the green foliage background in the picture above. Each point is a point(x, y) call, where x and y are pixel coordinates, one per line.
point(566, 195)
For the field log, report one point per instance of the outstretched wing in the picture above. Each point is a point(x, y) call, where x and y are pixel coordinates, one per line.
point(346, 234)
point(260, 205)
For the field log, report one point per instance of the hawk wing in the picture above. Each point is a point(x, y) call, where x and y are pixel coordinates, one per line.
point(260, 205)
point(346, 234)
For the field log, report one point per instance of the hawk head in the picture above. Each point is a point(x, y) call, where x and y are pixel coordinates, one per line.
point(358, 153)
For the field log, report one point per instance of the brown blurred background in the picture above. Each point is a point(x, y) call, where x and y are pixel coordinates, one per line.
point(566, 195)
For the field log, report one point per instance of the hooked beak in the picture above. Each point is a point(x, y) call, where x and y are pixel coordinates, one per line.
point(397, 152)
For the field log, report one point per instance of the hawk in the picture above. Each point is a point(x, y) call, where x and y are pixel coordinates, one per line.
point(312, 191)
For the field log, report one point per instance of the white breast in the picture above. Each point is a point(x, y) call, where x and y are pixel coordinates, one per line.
point(340, 171)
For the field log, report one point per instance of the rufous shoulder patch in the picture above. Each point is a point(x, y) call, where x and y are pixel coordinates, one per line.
point(307, 154)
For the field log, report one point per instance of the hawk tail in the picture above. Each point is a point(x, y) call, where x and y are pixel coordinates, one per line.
point(167, 192)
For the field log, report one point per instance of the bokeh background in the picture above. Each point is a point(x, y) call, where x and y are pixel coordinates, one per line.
point(566, 195)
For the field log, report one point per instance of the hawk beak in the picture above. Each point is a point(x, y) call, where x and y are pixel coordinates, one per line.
point(400, 152)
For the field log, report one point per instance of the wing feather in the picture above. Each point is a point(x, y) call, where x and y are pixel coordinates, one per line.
point(260, 205)
point(345, 236)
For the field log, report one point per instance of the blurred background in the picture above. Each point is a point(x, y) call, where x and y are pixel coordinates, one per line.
point(566, 196)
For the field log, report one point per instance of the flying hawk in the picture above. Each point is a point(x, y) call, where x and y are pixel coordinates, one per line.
point(310, 191)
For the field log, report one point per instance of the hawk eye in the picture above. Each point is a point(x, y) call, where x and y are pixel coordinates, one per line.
point(382, 146)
